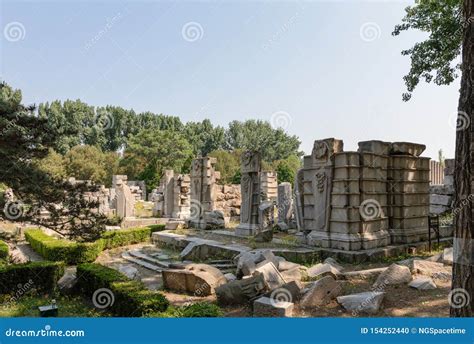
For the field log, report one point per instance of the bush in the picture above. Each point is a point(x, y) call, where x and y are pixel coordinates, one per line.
point(156, 228)
point(42, 276)
point(55, 249)
point(4, 250)
point(197, 310)
point(131, 298)
point(122, 237)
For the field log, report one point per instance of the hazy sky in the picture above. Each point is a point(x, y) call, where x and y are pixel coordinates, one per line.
point(320, 69)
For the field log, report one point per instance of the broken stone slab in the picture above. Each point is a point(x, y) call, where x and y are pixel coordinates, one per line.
point(395, 274)
point(264, 235)
point(436, 258)
point(199, 279)
point(321, 292)
point(271, 275)
point(129, 271)
point(367, 302)
point(334, 263)
point(289, 292)
point(230, 277)
point(285, 265)
point(202, 249)
point(448, 256)
point(427, 268)
point(422, 283)
point(321, 270)
point(407, 148)
point(241, 291)
point(174, 225)
point(294, 274)
point(363, 274)
point(267, 307)
point(246, 262)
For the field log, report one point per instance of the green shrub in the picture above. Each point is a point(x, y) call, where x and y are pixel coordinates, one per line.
point(42, 276)
point(122, 237)
point(4, 250)
point(202, 310)
point(131, 298)
point(157, 228)
point(196, 310)
point(55, 249)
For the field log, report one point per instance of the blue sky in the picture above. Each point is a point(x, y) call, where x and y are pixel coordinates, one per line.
point(326, 68)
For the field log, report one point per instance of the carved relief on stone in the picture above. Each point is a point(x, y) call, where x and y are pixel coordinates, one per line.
point(250, 162)
point(321, 181)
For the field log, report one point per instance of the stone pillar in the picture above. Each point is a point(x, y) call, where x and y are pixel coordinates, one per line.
point(269, 186)
point(250, 190)
point(182, 197)
point(409, 193)
point(167, 182)
point(125, 200)
point(285, 205)
point(203, 191)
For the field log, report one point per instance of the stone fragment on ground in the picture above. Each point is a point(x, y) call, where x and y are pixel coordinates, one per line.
point(264, 236)
point(247, 261)
point(321, 270)
point(448, 256)
point(422, 283)
point(363, 274)
point(129, 271)
point(395, 274)
point(428, 268)
point(271, 275)
point(334, 263)
point(284, 265)
point(267, 307)
point(199, 279)
point(68, 281)
point(174, 225)
point(230, 277)
point(321, 292)
point(241, 291)
point(436, 258)
point(290, 292)
point(363, 303)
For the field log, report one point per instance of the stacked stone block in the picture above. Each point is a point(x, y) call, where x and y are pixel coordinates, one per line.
point(409, 193)
point(441, 196)
point(269, 186)
point(181, 197)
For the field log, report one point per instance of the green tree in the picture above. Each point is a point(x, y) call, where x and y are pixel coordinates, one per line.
point(228, 164)
point(273, 144)
point(204, 137)
point(286, 169)
point(90, 163)
point(25, 139)
point(432, 59)
point(152, 151)
point(53, 164)
point(450, 27)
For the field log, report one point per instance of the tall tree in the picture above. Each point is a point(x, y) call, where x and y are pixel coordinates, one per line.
point(204, 137)
point(26, 138)
point(450, 27)
point(463, 266)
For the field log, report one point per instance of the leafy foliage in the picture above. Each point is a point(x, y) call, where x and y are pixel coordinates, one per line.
point(431, 60)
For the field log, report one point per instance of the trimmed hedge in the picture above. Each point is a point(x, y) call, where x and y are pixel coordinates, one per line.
point(196, 310)
point(42, 276)
point(4, 250)
point(131, 298)
point(55, 249)
point(71, 252)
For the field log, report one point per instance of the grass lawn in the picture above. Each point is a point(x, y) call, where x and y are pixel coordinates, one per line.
point(27, 306)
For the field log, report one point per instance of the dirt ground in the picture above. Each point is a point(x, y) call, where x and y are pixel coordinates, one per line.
point(399, 301)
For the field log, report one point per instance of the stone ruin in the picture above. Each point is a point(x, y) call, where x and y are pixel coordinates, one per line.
point(363, 200)
point(172, 197)
point(137, 187)
point(441, 196)
point(125, 201)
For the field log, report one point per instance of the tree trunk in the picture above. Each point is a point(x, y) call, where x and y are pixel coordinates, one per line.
point(461, 297)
